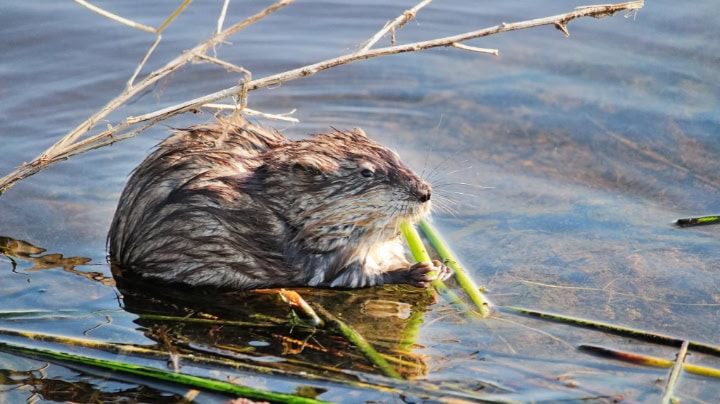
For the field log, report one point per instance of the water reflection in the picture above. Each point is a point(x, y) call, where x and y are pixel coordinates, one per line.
point(22, 250)
point(228, 330)
point(231, 330)
point(35, 385)
point(593, 144)
point(261, 327)
point(234, 332)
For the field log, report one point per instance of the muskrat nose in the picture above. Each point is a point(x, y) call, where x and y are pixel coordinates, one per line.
point(423, 193)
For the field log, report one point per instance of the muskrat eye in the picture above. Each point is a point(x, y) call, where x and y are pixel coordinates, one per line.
point(367, 173)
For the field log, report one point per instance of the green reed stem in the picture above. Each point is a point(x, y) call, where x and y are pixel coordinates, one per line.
point(420, 254)
point(651, 361)
point(624, 331)
point(157, 374)
point(464, 280)
point(697, 221)
point(360, 342)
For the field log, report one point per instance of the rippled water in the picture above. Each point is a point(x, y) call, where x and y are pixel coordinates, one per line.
point(590, 146)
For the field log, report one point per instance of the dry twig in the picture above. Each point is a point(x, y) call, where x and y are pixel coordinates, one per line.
point(677, 368)
point(399, 22)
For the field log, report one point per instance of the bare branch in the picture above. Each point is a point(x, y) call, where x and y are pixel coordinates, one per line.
point(309, 70)
point(70, 145)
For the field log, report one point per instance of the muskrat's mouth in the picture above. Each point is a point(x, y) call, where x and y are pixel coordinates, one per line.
point(418, 210)
point(412, 212)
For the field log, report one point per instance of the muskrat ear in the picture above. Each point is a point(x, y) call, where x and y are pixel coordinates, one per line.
point(359, 132)
point(315, 164)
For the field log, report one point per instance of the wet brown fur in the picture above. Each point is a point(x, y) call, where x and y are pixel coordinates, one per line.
point(231, 204)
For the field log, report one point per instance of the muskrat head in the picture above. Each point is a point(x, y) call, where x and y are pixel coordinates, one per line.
point(341, 187)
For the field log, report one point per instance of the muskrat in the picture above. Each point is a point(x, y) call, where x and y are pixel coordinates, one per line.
point(234, 205)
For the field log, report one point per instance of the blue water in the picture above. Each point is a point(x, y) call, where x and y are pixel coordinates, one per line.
point(590, 146)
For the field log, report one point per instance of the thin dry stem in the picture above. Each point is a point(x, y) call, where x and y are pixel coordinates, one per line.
point(253, 112)
point(476, 49)
point(144, 60)
point(390, 26)
point(115, 17)
point(677, 368)
point(220, 62)
point(221, 18)
point(172, 16)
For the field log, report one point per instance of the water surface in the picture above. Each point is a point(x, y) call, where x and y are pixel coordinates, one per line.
point(591, 146)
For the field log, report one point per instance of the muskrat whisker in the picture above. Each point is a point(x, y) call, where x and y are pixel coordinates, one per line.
point(467, 184)
point(444, 203)
point(436, 170)
point(459, 170)
point(447, 191)
point(444, 185)
point(448, 209)
point(425, 164)
point(441, 197)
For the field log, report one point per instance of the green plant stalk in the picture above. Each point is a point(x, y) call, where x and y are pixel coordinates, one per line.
point(41, 314)
point(465, 281)
point(224, 361)
point(417, 249)
point(697, 221)
point(411, 330)
point(158, 375)
point(629, 332)
point(360, 342)
point(173, 16)
point(117, 349)
point(194, 320)
point(136, 351)
point(651, 361)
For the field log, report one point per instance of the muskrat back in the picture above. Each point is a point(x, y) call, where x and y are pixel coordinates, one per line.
point(231, 204)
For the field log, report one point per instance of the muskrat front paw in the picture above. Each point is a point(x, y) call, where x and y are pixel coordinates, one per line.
point(443, 271)
point(422, 273)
